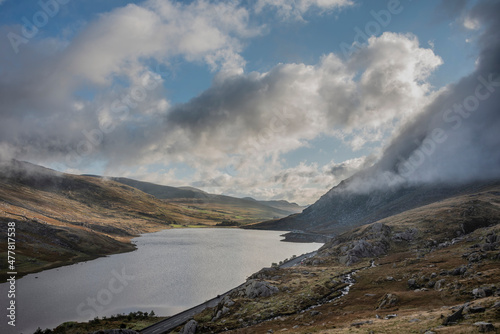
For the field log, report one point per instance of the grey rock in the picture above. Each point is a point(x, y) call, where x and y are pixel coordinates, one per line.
point(488, 247)
point(477, 309)
point(484, 326)
point(408, 235)
point(255, 289)
point(452, 319)
point(412, 284)
point(458, 271)
point(439, 284)
point(479, 293)
point(491, 238)
point(390, 316)
point(388, 301)
point(314, 313)
point(189, 328)
point(475, 257)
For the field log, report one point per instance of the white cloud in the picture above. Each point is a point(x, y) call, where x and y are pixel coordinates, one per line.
point(295, 9)
point(259, 115)
point(124, 37)
point(471, 23)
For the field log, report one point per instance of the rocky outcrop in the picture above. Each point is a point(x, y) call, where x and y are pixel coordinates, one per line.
point(256, 289)
point(373, 242)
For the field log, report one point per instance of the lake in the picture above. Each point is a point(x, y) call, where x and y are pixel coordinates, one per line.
point(171, 271)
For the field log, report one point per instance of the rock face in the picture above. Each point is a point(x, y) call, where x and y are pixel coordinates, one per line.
point(189, 328)
point(373, 243)
point(255, 289)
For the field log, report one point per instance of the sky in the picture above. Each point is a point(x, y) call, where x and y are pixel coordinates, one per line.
point(271, 99)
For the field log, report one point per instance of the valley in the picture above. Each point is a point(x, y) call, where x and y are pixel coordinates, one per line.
point(63, 218)
point(432, 269)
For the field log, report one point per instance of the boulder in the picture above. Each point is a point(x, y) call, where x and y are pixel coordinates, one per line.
point(488, 247)
point(476, 309)
point(255, 289)
point(189, 328)
point(492, 238)
point(479, 293)
point(439, 284)
point(452, 319)
point(412, 284)
point(485, 326)
point(406, 236)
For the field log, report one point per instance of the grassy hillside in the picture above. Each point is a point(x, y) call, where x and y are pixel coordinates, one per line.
point(198, 203)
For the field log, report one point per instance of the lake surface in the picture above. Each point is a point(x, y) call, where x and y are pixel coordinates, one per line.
point(171, 271)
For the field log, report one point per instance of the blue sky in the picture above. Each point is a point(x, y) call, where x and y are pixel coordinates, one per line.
point(245, 98)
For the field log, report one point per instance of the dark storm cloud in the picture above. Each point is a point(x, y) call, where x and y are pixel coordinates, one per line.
point(457, 138)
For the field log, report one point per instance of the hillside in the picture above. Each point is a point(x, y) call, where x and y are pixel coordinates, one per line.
point(244, 210)
point(433, 269)
point(341, 208)
point(62, 218)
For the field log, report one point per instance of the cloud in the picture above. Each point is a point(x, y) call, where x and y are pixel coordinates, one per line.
point(261, 114)
point(95, 99)
point(297, 8)
point(43, 113)
point(455, 139)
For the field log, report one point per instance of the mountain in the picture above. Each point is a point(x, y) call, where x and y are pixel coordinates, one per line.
point(343, 208)
point(281, 204)
point(245, 210)
point(163, 192)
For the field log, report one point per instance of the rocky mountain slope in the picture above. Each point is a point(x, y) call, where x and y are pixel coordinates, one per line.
point(341, 208)
point(430, 269)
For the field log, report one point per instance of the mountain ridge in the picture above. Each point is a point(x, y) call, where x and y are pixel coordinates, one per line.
point(342, 208)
